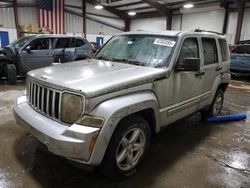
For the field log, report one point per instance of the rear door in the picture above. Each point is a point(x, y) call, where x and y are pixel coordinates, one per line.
point(63, 50)
point(83, 48)
point(210, 64)
point(40, 54)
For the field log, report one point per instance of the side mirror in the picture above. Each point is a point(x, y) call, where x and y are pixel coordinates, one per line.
point(28, 49)
point(189, 64)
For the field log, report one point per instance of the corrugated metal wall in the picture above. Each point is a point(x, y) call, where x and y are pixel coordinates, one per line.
point(74, 24)
point(97, 28)
point(7, 19)
point(27, 15)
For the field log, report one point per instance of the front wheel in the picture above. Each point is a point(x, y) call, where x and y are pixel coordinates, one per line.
point(126, 148)
point(11, 74)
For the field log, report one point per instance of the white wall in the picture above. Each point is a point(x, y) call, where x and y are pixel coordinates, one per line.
point(176, 22)
point(151, 24)
point(7, 19)
point(27, 15)
point(210, 20)
point(245, 33)
point(12, 33)
point(231, 28)
point(74, 23)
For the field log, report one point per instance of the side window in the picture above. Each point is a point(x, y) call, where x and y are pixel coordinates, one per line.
point(78, 42)
point(40, 44)
point(242, 49)
point(63, 43)
point(209, 51)
point(224, 49)
point(189, 49)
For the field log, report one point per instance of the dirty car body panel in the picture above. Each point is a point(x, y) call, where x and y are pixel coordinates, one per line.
point(114, 89)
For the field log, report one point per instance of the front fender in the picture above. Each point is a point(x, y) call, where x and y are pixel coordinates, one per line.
point(113, 111)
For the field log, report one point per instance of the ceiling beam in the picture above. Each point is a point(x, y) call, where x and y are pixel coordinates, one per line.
point(140, 8)
point(110, 9)
point(84, 28)
point(16, 19)
point(159, 7)
point(153, 14)
point(128, 4)
point(241, 9)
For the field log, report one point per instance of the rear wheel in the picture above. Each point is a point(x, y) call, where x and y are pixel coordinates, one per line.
point(11, 74)
point(215, 107)
point(127, 147)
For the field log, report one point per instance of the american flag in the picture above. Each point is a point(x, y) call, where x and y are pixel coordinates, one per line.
point(51, 15)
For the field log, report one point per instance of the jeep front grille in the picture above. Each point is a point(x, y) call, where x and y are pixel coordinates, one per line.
point(45, 100)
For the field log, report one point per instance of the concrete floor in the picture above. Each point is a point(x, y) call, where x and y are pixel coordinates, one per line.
point(186, 154)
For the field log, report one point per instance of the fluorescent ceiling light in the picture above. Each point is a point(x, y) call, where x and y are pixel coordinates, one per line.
point(131, 13)
point(99, 7)
point(189, 5)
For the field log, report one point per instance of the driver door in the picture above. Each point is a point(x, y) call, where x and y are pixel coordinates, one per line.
point(37, 54)
point(186, 88)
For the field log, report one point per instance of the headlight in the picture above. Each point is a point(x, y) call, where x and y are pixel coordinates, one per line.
point(26, 89)
point(91, 121)
point(72, 107)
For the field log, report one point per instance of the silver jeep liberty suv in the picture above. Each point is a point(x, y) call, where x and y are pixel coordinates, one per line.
point(104, 111)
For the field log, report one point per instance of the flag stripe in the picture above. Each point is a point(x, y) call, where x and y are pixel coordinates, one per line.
point(51, 15)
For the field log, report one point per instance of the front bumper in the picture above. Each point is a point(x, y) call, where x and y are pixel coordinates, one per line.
point(69, 141)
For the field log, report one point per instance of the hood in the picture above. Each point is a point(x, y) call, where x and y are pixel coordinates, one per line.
point(96, 77)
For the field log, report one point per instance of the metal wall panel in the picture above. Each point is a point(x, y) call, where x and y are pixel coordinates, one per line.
point(7, 19)
point(98, 28)
point(74, 24)
point(27, 15)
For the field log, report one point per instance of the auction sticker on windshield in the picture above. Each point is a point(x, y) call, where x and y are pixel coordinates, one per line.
point(164, 42)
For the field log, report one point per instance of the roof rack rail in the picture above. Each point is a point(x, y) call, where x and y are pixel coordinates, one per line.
point(201, 30)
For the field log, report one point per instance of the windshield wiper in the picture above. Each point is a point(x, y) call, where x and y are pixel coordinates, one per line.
point(130, 61)
point(104, 58)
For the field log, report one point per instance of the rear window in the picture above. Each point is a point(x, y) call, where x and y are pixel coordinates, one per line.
point(241, 49)
point(77, 43)
point(224, 49)
point(63, 43)
point(209, 51)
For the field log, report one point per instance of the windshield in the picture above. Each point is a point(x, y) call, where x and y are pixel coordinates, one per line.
point(20, 42)
point(144, 50)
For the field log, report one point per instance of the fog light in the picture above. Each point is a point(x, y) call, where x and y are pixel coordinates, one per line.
point(91, 121)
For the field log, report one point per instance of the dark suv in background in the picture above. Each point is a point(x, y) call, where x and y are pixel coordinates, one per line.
point(240, 57)
point(36, 51)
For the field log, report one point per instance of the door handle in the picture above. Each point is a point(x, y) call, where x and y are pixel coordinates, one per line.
point(201, 73)
point(218, 68)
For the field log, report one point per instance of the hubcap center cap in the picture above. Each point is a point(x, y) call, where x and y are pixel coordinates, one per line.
point(130, 146)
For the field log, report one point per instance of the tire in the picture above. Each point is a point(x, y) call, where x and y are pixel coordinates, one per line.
point(11, 74)
point(215, 107)
point(120, 160)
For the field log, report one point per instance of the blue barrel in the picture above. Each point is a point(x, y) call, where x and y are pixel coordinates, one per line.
point(234, 117)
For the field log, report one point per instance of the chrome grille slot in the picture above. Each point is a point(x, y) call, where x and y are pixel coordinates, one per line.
point(45, 100)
